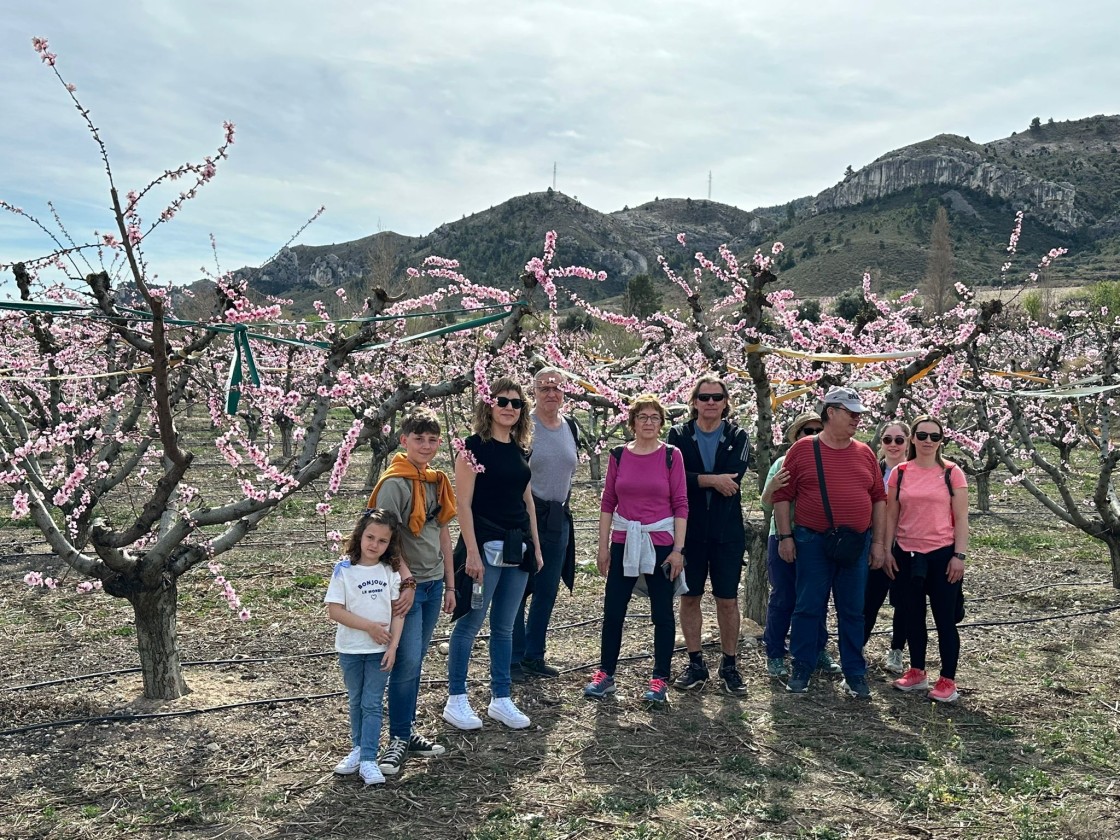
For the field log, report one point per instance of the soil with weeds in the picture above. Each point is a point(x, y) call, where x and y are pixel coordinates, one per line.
point(1031, 750)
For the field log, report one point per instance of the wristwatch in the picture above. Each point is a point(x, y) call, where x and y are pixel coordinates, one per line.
point(785, 537)
point(959, 554)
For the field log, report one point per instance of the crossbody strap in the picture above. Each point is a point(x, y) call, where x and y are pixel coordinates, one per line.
point(820, 478)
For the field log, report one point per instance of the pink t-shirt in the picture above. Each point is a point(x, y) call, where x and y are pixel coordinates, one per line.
point(925, 517)
point(644, 490)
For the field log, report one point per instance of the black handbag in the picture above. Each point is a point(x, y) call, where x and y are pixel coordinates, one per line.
point(844, 546)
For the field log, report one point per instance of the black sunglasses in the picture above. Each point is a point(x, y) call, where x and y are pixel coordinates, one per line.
point(934, 436)
point(510, 401)
point(805, 431)
point(711, 397)
point(897, 441)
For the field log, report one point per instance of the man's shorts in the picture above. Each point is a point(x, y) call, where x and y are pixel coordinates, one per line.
point(721, 562)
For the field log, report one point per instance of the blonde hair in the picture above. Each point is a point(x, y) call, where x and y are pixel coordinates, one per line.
point(522, 431)
point(905, 433)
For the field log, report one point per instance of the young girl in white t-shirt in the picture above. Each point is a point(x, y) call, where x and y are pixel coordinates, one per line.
point(359, 598)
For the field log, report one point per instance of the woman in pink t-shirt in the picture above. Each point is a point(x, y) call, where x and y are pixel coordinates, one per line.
point(927, 528)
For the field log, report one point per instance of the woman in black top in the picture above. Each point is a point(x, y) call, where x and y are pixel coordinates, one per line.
point(498, 541)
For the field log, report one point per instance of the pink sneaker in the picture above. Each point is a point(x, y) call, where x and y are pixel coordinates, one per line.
point(945, 691)
point(912, 680)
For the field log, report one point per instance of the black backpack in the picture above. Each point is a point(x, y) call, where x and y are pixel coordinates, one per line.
point(616, 453)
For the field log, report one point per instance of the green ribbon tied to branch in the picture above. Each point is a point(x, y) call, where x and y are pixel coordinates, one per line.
point(241, 366)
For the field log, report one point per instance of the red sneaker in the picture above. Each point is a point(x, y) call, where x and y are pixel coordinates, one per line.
point(912, 680)
point(944, 692)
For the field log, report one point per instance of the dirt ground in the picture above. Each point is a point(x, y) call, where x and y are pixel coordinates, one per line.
point(1032, 750)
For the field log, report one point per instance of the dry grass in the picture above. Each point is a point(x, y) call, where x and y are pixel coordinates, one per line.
point(1031, 751)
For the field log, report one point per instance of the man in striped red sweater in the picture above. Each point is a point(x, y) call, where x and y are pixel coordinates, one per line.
point(857, 501)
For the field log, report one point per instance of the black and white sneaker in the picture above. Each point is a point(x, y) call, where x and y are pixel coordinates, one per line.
point(393, 757)
point(693, 678)
point(732, 681)
point(419, 745)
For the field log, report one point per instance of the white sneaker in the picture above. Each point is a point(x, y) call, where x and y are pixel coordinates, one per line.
point(893, 662)
point(504, 711)
point(458, 713)
point(349, 765)
point(371, 773)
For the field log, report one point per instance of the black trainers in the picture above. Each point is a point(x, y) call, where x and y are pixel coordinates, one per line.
point(693, 678)
point(539, 668)
point(732, 681)
point(517, 673)
point(857, 687)
point(799, 680)
point(393, 757)
point(419, 745)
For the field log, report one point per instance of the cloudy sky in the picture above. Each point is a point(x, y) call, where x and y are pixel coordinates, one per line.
point(403, 115)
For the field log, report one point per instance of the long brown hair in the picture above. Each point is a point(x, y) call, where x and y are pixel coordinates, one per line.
point(377, 516)
point(709, 379)
point(912, 451)
point(905, 433)
point(522, 431)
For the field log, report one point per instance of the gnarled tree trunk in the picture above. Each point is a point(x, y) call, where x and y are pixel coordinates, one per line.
point(156, 638)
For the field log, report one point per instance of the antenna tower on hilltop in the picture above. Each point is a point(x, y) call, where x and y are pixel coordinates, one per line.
point(709, 185)
point(554, 175)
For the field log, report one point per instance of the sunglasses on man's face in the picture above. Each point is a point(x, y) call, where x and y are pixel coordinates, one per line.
point(810, 430)
point(509, 401)
point(896, 441)
point(934, 436)
point(710, 397)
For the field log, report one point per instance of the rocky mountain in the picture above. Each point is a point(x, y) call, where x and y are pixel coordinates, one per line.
point(1065, 175)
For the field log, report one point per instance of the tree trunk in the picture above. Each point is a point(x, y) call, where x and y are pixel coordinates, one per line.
point(1113, 544)
point(757, 593)
point(983, 492)
point(158, 643)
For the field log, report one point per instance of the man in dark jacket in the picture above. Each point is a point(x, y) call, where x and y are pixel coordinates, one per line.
point(716, 454)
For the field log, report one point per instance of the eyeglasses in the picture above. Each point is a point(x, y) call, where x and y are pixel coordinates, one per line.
point(509, 401)
point(897, 441)
point(546, 389)
point(934, 436)
point(648, 418)
point(806, 431)
point(711, 397)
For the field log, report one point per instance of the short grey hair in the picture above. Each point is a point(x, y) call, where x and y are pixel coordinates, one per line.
point(549, 371)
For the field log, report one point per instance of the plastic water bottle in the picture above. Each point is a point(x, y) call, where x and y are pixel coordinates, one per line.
point(476, 596)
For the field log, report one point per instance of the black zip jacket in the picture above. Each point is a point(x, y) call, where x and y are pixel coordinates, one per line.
point(713, 517)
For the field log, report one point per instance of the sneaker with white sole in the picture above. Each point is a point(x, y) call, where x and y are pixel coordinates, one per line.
point(827, 665)
point(892, 662)
point(657, 693)
point(913, 680)
point(392, 757)
point(600, 686)
point(349, 765)
point(458, 712)
point(776, 667)
point(503, 710)
point(419, 745)
point(856, 687)
point(945, 691)
point(371, 773)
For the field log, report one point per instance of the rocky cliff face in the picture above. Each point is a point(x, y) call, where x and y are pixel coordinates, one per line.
point(958, 164)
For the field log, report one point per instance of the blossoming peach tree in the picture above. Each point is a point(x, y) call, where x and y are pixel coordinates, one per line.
point(98, 374)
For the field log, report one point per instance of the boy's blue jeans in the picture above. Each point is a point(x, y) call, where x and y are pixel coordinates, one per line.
point(416, 635)
point(365, 685)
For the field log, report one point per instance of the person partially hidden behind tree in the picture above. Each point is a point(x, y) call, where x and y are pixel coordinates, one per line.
point(716, 454)
point(421, 498)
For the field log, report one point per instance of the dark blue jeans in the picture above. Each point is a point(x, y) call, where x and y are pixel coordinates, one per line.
point(817, 576)
point(783, 597)
point(529, 634)
point(365, 686)
point(404, 681)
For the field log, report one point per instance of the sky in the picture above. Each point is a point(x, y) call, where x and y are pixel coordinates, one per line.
point(405, 115)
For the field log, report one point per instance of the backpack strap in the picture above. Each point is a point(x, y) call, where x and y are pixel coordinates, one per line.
point(616, 453)
point(573, 427)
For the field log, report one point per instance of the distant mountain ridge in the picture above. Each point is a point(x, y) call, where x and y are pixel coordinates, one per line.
point(1066, 176)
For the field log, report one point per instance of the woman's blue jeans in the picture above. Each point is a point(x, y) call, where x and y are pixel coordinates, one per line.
point(365, 686)
point(502, 591)
point(783, 597)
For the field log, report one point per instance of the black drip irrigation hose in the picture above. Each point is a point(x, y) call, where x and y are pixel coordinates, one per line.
point(131, 718)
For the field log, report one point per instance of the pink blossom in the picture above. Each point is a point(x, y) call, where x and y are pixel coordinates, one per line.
point(245, 615)
point(21, 505)
point(322, 508)
point(33, 578)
